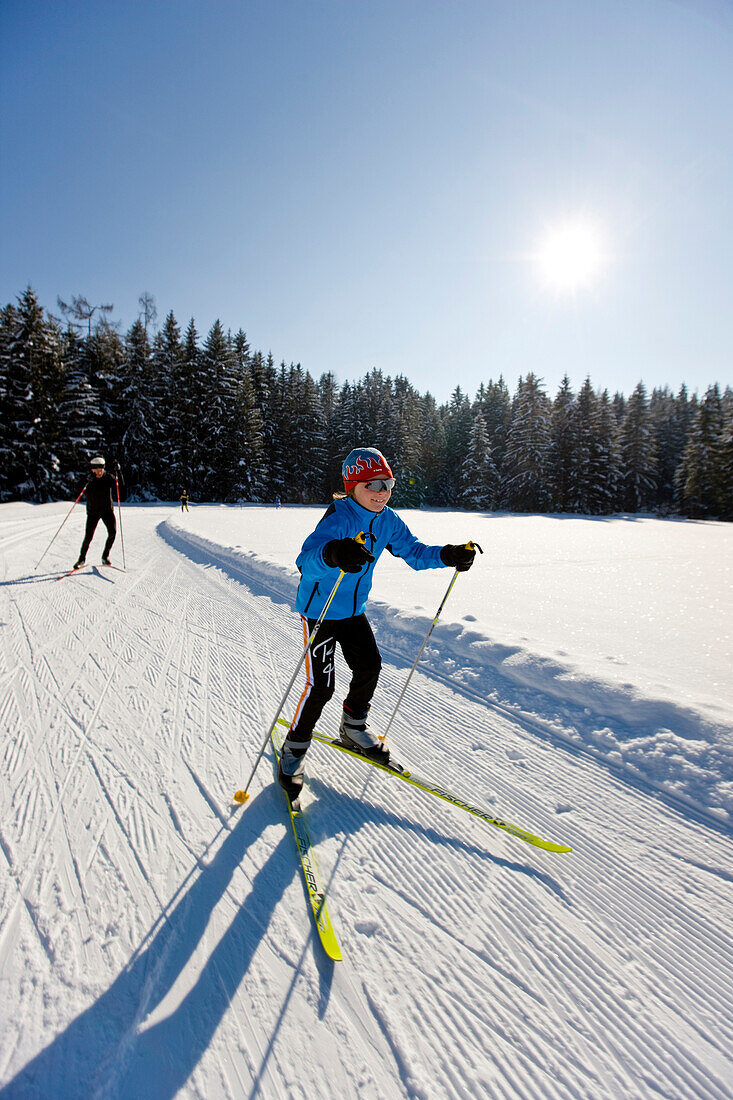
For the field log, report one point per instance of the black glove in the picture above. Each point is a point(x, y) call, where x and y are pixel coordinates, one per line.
point(346, 554)
point(460, 557)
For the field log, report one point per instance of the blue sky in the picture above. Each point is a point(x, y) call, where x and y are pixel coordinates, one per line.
point(364, 184)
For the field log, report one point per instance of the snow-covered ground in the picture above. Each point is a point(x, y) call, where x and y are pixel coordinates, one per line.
point(624, 625)
point(155, 940)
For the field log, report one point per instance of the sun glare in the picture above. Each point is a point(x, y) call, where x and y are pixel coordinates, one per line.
point(571, 256)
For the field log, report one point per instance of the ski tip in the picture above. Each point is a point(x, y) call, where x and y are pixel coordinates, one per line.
point(240, 797)
point(550, 845)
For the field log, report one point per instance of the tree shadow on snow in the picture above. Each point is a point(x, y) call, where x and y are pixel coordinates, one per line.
point(104, 1050)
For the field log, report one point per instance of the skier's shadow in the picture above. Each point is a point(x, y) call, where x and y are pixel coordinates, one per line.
point(102, 1050)
point(32, 578)
point(38, 578)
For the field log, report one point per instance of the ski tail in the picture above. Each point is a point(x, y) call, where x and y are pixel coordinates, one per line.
point(309, 867)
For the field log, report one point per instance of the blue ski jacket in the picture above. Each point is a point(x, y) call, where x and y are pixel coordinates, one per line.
point(346, 519)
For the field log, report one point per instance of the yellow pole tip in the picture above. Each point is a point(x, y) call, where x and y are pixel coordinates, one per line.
point(240, 796)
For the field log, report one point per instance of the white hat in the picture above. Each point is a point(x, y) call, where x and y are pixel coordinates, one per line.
point(98, 461)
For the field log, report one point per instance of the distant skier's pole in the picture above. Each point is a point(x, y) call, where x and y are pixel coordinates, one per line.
point(470, 546)
point(242, 796)
point(53, 540)
point(119, 512)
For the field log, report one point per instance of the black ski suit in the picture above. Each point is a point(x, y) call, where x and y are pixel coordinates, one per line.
point(99, 495)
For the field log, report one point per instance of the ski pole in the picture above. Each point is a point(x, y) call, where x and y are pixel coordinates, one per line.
point(119, 513)
point(53, 540)
point(470, 546)
point(242, 796)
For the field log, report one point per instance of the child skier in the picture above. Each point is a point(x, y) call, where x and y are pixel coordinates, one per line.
point(100, 505)
point(368, 484)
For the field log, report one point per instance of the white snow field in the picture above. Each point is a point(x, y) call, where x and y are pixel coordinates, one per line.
point(155, 939)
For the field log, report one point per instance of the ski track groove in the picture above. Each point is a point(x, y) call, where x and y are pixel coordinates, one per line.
point(139, 822)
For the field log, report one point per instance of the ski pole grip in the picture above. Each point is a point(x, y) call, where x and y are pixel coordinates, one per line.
point(361, 538)
point(471, 545)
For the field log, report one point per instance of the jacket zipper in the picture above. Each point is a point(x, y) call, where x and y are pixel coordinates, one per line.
point(369, 566)
point(310, 598)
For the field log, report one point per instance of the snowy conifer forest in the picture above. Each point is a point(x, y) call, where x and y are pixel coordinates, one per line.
point(213, 416)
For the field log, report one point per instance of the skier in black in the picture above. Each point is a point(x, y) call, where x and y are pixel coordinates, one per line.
point(100, 505)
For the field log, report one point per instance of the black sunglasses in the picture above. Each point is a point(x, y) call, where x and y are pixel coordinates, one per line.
point(380, 485)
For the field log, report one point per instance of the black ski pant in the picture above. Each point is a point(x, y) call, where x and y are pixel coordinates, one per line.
point(361, 654)
point(109, 521)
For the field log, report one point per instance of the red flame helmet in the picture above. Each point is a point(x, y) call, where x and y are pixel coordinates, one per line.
point(364, 464)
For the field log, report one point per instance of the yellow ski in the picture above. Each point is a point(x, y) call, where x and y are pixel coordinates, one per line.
point(437, 791)
point(316, 893)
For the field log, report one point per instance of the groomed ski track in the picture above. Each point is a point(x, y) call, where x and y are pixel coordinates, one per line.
point(156, 941)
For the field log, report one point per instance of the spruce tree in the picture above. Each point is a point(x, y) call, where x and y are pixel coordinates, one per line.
point(480, 478)
point(33, 382)
point(638, 454)
point(282, 407)
point(458, 423)
point(269, 397)
point(8, 438)
point(138, 459)
point(700, 470)
point(217, 384)
point(174, 413)
point(580, 483)
point(352, 430)
point(240, 346)
point(307, 439)
point(525, 475)
point(434, 460)
point(384, 429)
point(604, 472)
point(405, 453)
point(249, 481)
point(328, 396)
point(496, 406)
point(564, 471)
point(685, 411)
point(103, 361)
point(374, 389)
point(725, 457)
point(186, 431)
point(79, 415)
point(669, 439)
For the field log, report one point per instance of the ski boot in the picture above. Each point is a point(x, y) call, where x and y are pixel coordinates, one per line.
point(80, 564)
point(291, 769)
point(356, 734)
point(105, 560)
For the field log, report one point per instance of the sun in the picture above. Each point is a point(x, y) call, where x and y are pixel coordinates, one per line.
point(571, 256)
